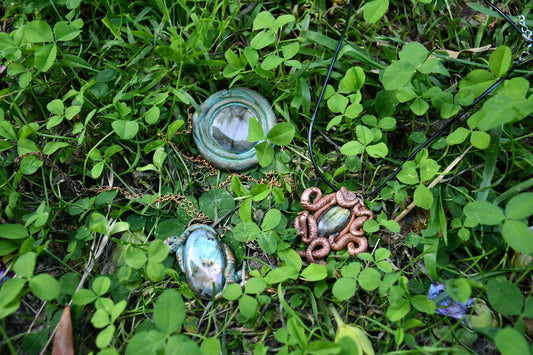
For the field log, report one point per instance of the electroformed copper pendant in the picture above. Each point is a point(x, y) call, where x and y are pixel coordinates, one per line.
point(332, 222)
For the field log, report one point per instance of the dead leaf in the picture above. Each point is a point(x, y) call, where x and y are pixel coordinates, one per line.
point(63, 344)
point(455, 54)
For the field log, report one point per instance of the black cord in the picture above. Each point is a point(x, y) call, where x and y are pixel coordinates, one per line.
point(313, 118)
point(458, 117)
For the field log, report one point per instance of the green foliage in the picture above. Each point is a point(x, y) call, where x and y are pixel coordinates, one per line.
point(409, 78)
point(98, 167)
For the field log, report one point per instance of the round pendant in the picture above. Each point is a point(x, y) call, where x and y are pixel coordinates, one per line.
point(220, 127)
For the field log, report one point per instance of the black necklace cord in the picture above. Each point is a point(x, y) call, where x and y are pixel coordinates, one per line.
point(313, 118)
point(524, 31)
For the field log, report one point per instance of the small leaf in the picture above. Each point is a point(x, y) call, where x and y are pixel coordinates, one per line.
point(255, 285)
point(263, 20)
point(255, 130)
point(157, 251)
point(65, 32)
point(353, 80)
point(505, 296)
point(83, 297)
point(251, 56)
point(45, 56)
point(520, 206)
point(271, 62)
point(408, 174)
point(480, 139)
point(423, 197)
point(37, 32)
point(518, 236)
point(413, 53)
point(369, 279)
point(473, 85)
point(397, 310)
point(500, 61)
point(232, 292)
point(265, 153)
point(419, 107)
point(30, 164)
point(483, 212)
point(10, 290)
point(268, 241)
point(511, 342)
point(25, 264)
point(364, 134)
point(104, 337)
point(56, 107)
point(397, 75)
point(271, 219)
point(146, 342)
point(246, 231)
point(314, 272)
point(337, 103)
point(211, 345)
point(344, 288)
point(152, 115)
point(52, 147)
point(374, 10)
point(458, 136)
point(423, 304)
point(428, 169)
point(101, 285)
point(281, 134)
point(352, 148)
point(290, 50)
point(155, 270)
point(135, 258)
point(263, 39)
point(169, 311)
point(281, 274)
point(13, 231)
point(216, 203)
point(248, 306)
point(283, 20)
point(379, 150)
point(45, 287)
point(7, 131)
point(125, 129)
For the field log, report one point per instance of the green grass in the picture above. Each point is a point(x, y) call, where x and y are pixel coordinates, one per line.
point(98, 167)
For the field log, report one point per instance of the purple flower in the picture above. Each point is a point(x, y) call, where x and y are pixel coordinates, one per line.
point(4, 274)
point(448, 307)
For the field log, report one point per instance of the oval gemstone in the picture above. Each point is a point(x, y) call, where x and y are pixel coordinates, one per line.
point(204, 262)
point(333, 221)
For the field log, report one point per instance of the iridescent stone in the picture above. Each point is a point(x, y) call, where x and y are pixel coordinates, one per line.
point(220, 127)
point(204, 262)
point(333, 220)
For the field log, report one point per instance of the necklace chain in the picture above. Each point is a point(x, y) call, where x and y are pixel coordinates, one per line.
point(528, 36)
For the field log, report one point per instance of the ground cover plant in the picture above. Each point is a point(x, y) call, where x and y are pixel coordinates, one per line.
point(98, 168)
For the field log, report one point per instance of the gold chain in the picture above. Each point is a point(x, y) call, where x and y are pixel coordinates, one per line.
point(76, 186)
point(270, 179)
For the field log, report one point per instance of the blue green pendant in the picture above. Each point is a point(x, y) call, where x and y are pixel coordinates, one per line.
point(220, 127)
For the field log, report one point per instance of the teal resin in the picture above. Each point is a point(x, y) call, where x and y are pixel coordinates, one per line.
point(220, 127)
